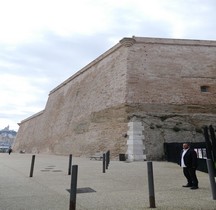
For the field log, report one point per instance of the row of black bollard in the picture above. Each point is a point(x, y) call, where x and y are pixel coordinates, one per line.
point(33, 162)
point(73, 188)
point(106, 161)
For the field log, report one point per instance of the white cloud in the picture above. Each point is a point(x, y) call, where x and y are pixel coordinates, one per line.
point(23, 20)
point(19, 97)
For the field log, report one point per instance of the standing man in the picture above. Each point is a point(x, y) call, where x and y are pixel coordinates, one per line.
point(189, 164)
point(9, 150)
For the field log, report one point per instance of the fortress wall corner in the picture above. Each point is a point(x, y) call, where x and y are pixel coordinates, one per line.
point(85, 114)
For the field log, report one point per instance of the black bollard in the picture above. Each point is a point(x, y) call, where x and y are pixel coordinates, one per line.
point(211, 177)
point(107, 159)
point(32, 166)
point(208, 143)
point(151, 185)
point(73, 189)
point(104, 163)
point(70, 164)
point(213, 140)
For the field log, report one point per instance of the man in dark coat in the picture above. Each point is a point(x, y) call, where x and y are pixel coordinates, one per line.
point(9, 150)
point(188, 162)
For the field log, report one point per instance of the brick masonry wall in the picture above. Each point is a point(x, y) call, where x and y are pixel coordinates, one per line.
point(167, 73)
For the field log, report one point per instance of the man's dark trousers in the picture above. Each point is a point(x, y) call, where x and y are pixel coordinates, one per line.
point(190, 174)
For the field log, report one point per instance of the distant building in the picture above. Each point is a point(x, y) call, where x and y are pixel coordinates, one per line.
point(132, 99)
point(7, 137)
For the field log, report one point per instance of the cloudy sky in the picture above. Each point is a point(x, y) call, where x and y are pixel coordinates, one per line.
point(43, 42)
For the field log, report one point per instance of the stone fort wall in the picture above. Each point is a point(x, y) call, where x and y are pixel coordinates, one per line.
point(141, 93)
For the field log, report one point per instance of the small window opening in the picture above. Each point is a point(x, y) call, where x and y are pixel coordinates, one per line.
point(204, 88)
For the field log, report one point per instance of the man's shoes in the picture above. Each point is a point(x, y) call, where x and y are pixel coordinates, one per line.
point(188, 185)
point(194, 187)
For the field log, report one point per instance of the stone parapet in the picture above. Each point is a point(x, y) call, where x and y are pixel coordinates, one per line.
point(127, 42)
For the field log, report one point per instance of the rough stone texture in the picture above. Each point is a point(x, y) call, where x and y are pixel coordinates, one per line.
point(154, 81)
point(160, 129)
